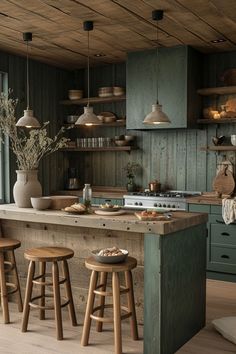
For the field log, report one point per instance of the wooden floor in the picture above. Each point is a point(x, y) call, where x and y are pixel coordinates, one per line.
point(221, 301)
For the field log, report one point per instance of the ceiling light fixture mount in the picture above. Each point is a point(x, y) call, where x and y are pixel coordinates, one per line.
point(219, 40)
point(157, 116)
point(88, 117)
point(28, 120)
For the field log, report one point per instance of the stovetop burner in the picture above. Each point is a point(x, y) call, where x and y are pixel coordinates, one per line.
point(167, 194)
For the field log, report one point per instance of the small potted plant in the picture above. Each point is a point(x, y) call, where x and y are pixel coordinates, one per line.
point(130, 169)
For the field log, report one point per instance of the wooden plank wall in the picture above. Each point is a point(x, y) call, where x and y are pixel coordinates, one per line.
point(172, 156)
point(48, 85)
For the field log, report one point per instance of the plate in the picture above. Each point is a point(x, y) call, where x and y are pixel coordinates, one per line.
point(110, 259)
point(163, 217)
point(110, 213)
point(110, 209)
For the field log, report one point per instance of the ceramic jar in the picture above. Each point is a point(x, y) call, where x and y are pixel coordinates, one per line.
point(26, 186)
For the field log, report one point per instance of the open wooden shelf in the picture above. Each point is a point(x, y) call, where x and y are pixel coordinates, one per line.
point(104, 148)
point(92, 100)
point(219, 148)
point(113, 124)
point(225, 90)
point(216, 121)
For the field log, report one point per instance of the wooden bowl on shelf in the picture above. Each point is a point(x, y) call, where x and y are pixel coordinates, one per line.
point(121, 142)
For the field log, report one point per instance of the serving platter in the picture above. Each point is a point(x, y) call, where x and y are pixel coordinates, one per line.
point(110, 213)
point(163, 217)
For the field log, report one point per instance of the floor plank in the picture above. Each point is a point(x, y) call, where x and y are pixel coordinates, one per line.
point(40, 339)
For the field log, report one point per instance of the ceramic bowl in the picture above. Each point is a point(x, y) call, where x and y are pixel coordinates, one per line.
point(108, 119)
point(129, 137)
point(121, 142)
point(233, 140)
point(75, 94)
point(40, 203)
point(110, 259)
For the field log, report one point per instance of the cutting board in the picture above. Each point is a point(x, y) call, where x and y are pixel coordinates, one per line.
point(224, 182)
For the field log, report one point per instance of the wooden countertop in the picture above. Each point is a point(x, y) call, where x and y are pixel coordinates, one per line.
point(203, 199)
point(127, 222)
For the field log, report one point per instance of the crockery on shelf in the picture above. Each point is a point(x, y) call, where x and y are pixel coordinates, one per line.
point(75, 94)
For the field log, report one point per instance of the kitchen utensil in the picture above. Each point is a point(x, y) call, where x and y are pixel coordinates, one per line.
point(154, 186)
point(73, 183)
point(62, 201)
point(110, 213)
point(110, 259)
point(224, 182)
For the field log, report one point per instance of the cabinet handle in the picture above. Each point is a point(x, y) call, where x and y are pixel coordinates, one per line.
point(225, 256)
point(225, 234)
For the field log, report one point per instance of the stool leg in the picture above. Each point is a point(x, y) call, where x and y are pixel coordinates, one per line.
point(117, 312)
point(103, 281)
point(57, 300)
point(69, 293)
point(42, 269)
point(16, 279)
point(89, 308)
point(28, 293)
point(131, 305)
point(4, 299)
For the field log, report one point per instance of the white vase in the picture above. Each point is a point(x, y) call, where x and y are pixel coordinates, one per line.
point(26, 186)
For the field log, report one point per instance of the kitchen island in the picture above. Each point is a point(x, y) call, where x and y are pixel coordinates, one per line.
point(170, 255)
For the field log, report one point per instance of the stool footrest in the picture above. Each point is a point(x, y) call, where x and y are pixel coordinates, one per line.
point(10, 266)
point(109, 319)
point(123, 290)
point(46, 283)
point(48, 307)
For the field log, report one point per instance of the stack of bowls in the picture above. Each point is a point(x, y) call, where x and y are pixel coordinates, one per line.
point(124, 140)
point(75, 94)
point(105, 92)
point(118, 91)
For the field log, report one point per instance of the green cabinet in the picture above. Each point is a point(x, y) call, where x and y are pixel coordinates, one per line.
point(221, 241)
point(175, 73)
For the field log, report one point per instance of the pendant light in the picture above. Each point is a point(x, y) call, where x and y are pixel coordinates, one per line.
point(157, 116)
point(28, 120)
point(88, 117)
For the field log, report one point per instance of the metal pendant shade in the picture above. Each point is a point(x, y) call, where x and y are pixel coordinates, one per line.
point(156, 116)
point(28, 120)
point(88, 117)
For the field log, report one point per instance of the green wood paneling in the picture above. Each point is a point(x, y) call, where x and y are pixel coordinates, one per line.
point(183, 284)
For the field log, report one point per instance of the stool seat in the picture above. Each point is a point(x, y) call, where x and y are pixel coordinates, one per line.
point(129, 264)
point(48, 254)
point(9, 244)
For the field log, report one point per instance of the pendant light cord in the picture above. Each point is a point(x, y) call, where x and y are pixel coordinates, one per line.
point(88, 70)
point(157, 58)
point(27, 74)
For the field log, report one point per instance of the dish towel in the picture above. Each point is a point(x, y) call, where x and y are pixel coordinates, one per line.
point(229, 210)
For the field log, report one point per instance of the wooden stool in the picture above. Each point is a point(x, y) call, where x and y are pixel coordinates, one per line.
point(44, 255)
point(117, 289)
point(7, 246)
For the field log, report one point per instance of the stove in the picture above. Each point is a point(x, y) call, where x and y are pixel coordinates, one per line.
point(169, 200)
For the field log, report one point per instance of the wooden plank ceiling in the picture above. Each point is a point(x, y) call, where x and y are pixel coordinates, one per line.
point(120, 26)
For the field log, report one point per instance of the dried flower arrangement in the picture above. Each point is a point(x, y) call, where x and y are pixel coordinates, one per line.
point(29, 146)
point(130, 169)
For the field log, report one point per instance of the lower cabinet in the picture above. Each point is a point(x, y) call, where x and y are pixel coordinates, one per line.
point(221, 242)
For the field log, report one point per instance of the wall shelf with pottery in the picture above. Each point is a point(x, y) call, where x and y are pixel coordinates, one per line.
point(93, 100)
point(104, 148)
point(224, 90)
point(219, 148)
point(118, 123)
point(216, 121)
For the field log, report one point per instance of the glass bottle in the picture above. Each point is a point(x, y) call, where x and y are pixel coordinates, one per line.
point(87, 195)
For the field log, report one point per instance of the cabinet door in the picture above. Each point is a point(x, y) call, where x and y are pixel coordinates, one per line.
point(174, 70)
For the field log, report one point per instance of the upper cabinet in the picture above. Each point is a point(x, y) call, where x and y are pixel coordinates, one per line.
point(176, 72)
